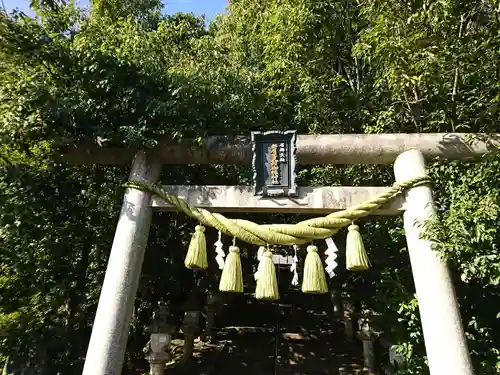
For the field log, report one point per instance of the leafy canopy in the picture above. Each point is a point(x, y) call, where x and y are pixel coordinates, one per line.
point(124, 74)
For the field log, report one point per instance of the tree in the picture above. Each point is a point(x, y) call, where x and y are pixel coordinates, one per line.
point(435, 63)
point(125, 75)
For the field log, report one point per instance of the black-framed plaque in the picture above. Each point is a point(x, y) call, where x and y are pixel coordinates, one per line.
point(274, 163)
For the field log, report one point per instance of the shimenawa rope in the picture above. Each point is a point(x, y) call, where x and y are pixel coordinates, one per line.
point(281, 234)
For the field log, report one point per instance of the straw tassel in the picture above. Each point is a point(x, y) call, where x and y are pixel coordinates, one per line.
point(267, 284)
point(232, 275)
point(196, 257)
point(314, 281)
point(356, 258)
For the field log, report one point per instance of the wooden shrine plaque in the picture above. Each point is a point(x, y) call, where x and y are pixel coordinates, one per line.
point(274, 163)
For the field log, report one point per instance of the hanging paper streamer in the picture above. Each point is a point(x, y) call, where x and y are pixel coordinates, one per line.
point(331, 255)
point(293, 267)
point(260, 253)
point(219, 250)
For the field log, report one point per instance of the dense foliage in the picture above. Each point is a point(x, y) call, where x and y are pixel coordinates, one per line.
point(124, 74)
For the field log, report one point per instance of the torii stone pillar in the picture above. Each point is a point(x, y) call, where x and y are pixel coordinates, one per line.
point(444, 336)
point(112, 321)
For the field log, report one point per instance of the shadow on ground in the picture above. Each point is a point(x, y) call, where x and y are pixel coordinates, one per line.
point(293, 336)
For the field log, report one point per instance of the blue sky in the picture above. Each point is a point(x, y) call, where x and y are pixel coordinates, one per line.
point(208, 7)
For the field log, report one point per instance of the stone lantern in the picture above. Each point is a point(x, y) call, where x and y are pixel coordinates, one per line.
point(337, 312)
point(191, 324)
point(368, 336)
point(158, 348)
point(210, 310)
point(348, 319)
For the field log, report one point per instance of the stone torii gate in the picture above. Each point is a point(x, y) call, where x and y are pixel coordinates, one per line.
point(443, 332)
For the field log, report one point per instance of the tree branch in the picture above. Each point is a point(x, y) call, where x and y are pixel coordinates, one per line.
point(455, 79)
